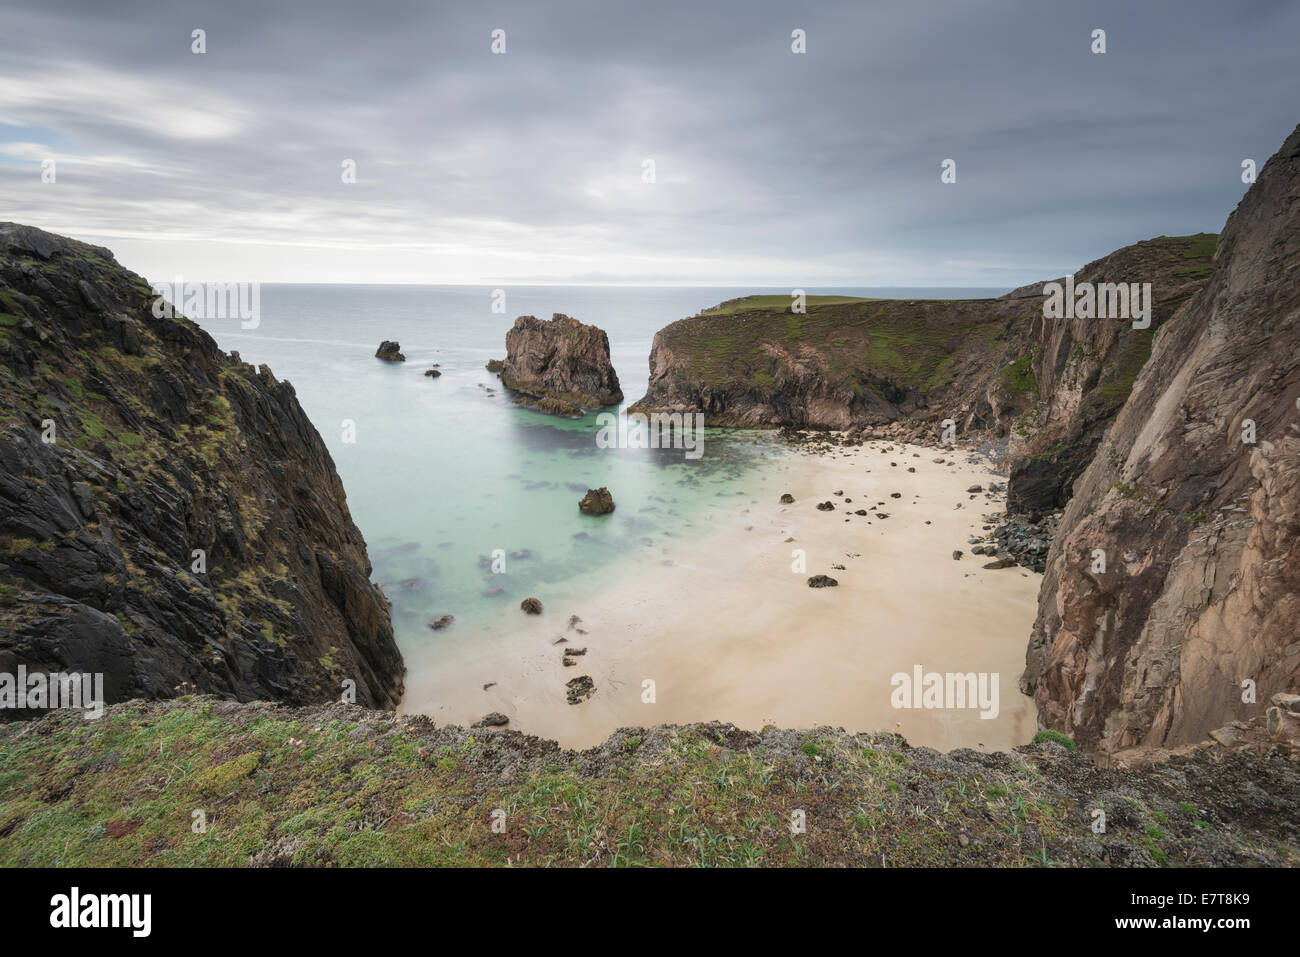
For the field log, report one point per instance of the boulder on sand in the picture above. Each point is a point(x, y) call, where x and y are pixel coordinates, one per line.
point(531, 606)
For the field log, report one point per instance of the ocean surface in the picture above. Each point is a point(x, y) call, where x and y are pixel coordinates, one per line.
point(446, 474)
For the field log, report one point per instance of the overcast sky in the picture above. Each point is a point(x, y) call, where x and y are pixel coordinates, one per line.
point(772, 168)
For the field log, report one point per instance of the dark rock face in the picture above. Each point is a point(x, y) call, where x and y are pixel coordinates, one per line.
point(390, 352)
point(1200, 530)
point(597, 501)
point(1084, 369)
point(559, 366)
point(184, 528)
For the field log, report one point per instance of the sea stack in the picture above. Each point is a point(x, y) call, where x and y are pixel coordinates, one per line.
point(560, 365)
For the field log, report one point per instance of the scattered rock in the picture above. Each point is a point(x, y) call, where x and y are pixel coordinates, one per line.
point(531, 606)
point(787, 499)
point(826, 507)
point(432, 373)
point(822, 581)
point(390, 352)
point(597, 501)
point(494, 720)
point(956, 555)
point(441, 622)
point(579, 689)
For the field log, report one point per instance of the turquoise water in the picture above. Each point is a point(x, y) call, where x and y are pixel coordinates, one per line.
point(446, 472)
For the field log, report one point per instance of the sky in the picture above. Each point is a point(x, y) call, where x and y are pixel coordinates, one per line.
point(770, 167)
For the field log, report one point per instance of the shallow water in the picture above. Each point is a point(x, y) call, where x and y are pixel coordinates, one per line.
point(444, 473)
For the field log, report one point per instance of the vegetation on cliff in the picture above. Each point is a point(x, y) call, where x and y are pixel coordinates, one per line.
point(169, 517)
point(206, 782)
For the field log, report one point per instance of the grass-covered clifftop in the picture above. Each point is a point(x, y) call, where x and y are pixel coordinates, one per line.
point(844, 361)
point(339, 785)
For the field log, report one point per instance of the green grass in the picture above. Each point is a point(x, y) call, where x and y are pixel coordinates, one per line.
point(331, 798)
point(781, 303)
point(1200, 245)
point(341, 786)
point(1047, 734)
point(1018, 376)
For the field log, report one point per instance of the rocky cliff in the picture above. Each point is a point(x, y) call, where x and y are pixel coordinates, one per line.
point(168, 515)
point(1194, 502)
point(559, 365)
point(1051, 386)
point(1084, 368)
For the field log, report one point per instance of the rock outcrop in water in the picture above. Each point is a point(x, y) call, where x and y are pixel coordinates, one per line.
point(559, 365)
point(390, 351)
point(1199, 528)
point(597, 501)
point(168, 515)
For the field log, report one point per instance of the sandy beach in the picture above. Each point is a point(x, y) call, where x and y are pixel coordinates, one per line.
point(726, 627)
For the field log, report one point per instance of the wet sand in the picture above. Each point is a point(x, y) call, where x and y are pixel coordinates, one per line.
point(726, 629)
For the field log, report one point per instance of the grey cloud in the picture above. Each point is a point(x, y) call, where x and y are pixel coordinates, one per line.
point(772, 167)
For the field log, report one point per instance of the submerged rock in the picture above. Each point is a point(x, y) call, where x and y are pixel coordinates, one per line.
point(597, 501)
point(441, 622)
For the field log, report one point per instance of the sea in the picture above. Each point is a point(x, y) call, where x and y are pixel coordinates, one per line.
point(468, 502)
